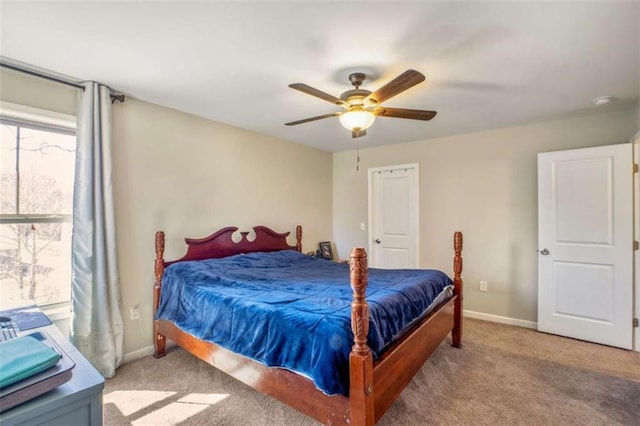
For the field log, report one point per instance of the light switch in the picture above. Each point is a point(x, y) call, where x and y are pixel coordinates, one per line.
point(362, 226)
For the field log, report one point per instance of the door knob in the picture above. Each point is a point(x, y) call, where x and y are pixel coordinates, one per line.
point(544, 252)
point(377, 240)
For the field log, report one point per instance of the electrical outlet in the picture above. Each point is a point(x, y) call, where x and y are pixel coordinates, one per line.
point(484, 286)
point(362, 226)
point(134, 312)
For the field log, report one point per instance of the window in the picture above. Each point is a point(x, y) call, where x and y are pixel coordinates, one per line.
point(37, 161)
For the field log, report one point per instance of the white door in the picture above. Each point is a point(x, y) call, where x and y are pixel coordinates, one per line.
point(393, 217)
point(585, 236)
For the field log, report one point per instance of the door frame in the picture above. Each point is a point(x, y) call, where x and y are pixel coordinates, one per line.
point(371, 218)
point(635, 140)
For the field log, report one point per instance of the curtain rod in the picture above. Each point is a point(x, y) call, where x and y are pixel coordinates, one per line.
point(41, 75)
point(114, 96)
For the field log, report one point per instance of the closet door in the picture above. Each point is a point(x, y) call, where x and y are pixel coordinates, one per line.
point(585, 236)
point(393, 217)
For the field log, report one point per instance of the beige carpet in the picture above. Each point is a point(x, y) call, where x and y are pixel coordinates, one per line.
point(503, 375)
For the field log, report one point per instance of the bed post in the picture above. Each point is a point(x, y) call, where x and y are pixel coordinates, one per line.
point(299, 238)
point(159, 341)
point(360, 359)
point(456, 333)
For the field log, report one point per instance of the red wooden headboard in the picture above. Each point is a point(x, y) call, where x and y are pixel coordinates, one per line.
point(220, 244)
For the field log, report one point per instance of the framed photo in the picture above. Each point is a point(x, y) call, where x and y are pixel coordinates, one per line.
point(325, 250)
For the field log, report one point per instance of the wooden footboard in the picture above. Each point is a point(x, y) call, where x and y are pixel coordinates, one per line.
point(373, 386)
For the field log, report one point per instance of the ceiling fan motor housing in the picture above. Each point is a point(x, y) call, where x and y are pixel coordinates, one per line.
point(355, 96)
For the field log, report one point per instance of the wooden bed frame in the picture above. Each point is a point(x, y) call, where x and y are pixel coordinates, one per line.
point(374, 386)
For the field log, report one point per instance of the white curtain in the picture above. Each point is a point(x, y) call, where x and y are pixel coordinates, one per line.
point(96, 324)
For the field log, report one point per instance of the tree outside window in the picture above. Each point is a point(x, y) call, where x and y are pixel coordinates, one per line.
point(36, 196)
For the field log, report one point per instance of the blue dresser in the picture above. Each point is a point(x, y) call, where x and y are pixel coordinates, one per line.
point(77, 402)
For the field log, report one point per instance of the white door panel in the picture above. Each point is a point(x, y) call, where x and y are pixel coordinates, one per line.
point(394, 258)
point(585, 282)
point(584, 201)
point(576, 283)
point(394, 202)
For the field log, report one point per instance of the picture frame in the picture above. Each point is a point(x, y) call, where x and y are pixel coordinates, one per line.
point(326, 251)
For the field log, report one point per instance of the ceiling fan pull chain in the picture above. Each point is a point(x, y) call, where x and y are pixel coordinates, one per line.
point(358, 155)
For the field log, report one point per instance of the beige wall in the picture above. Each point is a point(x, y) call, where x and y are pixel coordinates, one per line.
point(484, 184)
point(19, 88)
point(189, 176)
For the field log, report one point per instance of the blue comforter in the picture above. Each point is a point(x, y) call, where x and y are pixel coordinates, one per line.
point(290, 310)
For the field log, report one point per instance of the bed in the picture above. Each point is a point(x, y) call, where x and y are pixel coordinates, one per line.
point(369, 379)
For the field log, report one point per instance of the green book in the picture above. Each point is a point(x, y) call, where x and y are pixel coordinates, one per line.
point(22, 357)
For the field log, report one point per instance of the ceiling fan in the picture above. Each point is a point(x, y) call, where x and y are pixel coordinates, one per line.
point(362, 106)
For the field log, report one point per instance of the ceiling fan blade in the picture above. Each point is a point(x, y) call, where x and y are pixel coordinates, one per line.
point(404, 81)
point(317, 117)
point(319, 94)
point(413, 114)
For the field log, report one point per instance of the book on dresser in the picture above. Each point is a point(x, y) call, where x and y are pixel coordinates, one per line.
point(30, 366)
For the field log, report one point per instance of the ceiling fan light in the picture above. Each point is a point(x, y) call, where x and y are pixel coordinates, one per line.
point(357, 119)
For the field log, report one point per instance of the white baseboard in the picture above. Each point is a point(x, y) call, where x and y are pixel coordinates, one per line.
point(500, 319)
point(140, 353)
point(146, 351)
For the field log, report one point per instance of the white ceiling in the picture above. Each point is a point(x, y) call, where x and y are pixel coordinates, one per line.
point(488, 64)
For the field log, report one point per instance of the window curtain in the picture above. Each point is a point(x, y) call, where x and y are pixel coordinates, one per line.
point(96, 320)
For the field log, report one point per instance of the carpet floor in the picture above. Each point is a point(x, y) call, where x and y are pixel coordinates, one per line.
point(503, 375)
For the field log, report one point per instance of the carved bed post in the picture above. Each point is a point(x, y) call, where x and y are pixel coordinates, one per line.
point(360, 359)
point(159, 341)
point(456, 333)
point(299, 238)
